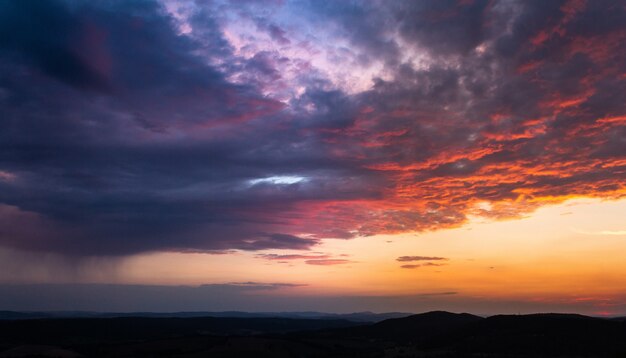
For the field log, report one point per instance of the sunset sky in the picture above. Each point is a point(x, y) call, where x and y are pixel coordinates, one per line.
point(337, 156)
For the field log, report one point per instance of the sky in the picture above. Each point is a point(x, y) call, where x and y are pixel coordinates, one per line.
point(293, 155)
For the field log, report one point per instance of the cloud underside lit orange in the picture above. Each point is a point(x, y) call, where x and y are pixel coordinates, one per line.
point(248, 133)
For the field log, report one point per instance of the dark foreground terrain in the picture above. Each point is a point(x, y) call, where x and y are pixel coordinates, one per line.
point(433, 334)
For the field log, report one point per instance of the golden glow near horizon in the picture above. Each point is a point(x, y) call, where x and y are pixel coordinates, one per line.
point(565, 257)
point(570, 251)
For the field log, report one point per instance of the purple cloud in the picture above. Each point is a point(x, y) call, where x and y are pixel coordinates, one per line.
point(122, 135)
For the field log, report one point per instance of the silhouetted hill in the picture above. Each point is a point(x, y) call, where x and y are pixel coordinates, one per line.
point(549, 334)
point(537, 335)
point(366, 316)
point(80, 330)
point(416, 328)
point(432, 334)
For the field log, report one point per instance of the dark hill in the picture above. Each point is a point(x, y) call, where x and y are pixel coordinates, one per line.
point(93, 330)
point(536, 335)
point(413, 329)
point(432, 334)
point(540, 334)
point(420, 327)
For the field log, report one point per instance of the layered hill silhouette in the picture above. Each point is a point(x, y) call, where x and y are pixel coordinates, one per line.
point(549, 334)
point(412, 329)
point(432, 334)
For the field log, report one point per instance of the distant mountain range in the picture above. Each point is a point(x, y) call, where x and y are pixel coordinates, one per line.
point(354, 317)
point(432, 334)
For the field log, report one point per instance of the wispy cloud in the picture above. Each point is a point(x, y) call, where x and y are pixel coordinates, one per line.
point(292, 257)
point(602, 232)
point(410, 266)
point(7, 176)
point(420, 258)
point(328, 262)
point(257, 285)
point(426, 264)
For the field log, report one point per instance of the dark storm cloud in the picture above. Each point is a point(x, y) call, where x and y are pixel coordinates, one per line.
point(48, 36)
point(85, 182)
point(120, 135)
point(443, 26)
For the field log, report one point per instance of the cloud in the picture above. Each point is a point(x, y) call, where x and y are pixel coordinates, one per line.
point(255, 285)
point(123, 134)
point(420, 258)
point(602, 232)
point(412, 266)
point(317, 258)
point(430, 294)
point(443, 27)
point(329, 262)
point(292, 257)
point(62, 55)
point(277, 241)
point(6, 176)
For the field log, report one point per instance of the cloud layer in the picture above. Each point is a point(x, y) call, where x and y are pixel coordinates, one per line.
point(159, 126)
point(420, 258)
